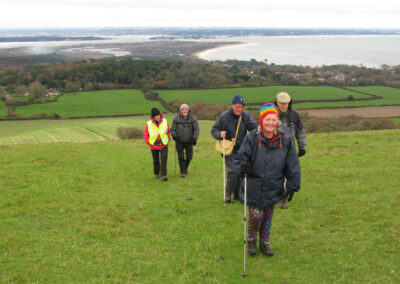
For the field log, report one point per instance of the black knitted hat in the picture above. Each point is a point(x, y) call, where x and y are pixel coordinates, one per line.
point(154, 112)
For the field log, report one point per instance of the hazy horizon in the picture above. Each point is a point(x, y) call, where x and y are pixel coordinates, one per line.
point(199, 13)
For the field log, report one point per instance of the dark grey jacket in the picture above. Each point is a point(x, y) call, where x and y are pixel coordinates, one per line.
point(185, 129)
point(270, 165)
point(228, 121)
point(290, 123)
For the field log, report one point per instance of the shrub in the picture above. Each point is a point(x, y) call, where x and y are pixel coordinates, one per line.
point(174, 105)
point(54, 115)
point(126, 133)
point(208, 111)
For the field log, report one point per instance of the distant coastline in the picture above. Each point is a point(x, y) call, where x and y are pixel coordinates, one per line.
point(203, 53)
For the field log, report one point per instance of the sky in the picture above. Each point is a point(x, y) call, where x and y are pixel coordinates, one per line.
point(200, 13)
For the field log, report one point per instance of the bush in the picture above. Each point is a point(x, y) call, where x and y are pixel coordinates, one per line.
point(208, 111)
point(126, 133)
point(174, 105)
point(54, 115)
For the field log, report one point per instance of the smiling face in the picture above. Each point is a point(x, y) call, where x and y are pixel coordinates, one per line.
point(184, 112)
point(283, 107)
point(237, 109)
point(269, 124)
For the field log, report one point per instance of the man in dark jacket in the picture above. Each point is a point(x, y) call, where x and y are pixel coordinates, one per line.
point(225, 127)
point(290, 124)
point(269, 159)
point(185, 131)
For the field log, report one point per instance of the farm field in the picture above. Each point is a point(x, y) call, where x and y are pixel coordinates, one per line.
point(92, 103)
point(93, 213)
point(396, 120)
point(3, 109)
point(257, 94)
point(367, 112)
point(74, 130)
point(391, 97)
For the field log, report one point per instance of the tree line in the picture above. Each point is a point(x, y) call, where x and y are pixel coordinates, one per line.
point(150, 75)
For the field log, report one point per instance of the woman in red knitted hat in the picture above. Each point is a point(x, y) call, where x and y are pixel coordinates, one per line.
point(267, 157)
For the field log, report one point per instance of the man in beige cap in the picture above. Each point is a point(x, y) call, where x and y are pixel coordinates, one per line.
point(290, 124)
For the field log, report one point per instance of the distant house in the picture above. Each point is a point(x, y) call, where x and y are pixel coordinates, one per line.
point(52, 92)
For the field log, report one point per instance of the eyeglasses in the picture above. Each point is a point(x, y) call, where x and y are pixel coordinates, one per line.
point(238, 106)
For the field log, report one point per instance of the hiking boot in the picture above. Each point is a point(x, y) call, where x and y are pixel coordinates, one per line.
point(183, 175)
point(265, 249)
point(227, 198)
point(252, 246)
point(283, 204)
point(157, 175)
point(164, 178)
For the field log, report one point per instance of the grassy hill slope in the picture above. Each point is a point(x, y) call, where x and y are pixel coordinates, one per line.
point(94, 213)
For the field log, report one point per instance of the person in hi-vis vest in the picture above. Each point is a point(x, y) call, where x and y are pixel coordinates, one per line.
point(157, 136)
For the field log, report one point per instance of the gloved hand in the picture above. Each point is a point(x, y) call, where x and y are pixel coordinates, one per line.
point(302, 152)
point(245, 168)
point(194, 141)
point(289, 194)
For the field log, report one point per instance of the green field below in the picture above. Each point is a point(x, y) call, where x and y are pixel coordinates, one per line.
point(396, 120)
point(93, 213)
point(3, 109)
point(74, 130)
point(113, 102)
point(391, 96)
point(108, 102)
point(258, 94)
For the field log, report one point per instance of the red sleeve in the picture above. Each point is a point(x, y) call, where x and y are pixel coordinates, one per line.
point(146, 135)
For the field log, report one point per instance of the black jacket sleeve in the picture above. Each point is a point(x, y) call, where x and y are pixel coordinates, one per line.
point(245, 152)
point(195, 127)
point(217, 128)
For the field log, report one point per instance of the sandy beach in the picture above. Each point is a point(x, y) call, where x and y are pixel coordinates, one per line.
point(202, 54)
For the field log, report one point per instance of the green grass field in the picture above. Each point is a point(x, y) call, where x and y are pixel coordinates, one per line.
point(93, 213)
point(258, 94)
point(3, 109)
point(391, 96)
point(396, 120)
point(75, 130)
point(113, 102)
point(94, 103)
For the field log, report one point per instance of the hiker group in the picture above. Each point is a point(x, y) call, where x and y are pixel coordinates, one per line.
point(260, 157)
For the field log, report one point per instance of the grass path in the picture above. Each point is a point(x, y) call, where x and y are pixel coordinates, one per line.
point(93, 213)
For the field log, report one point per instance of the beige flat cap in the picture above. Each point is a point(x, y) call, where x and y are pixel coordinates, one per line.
point(283, 98)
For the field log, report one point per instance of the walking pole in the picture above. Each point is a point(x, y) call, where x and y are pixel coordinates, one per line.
point(175, 159)
point(245, 225)
point(223, 166)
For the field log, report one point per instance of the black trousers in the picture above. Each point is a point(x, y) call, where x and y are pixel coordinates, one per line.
point(184, 162)
point(233, 179)
point(157, 154)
